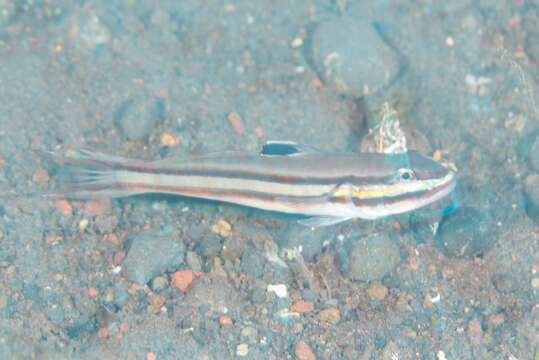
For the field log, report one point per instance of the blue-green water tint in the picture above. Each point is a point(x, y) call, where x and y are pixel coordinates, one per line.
point(67, 70)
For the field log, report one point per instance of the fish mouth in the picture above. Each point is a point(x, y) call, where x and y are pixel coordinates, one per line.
point(446, 185)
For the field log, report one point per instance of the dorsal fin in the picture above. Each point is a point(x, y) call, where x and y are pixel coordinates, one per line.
point(285, 148)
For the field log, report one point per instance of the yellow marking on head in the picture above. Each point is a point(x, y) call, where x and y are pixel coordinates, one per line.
point(379, 191)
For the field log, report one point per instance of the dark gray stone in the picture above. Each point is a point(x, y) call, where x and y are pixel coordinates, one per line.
point(152, 253)
point(137, 117)
point(465, 232)
point(372, 257)
point(531, 196)
point(505, 283)
point(252, 264)
point(209, 245)
point(533, 155)
point(351, 56)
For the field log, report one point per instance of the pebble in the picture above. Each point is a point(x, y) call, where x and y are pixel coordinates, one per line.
point(249, 333)
point(279, 290)
point(505, 282)
point(352, 57)
point(236, 122)
point(302, 306)
point(97, 207)
point(304, 352)
point(65, 207)
point(464, 233)
point(533, 155)
point(193, 261)
point(159, 283)
point(94, 33)
point(152, 253)
point(169, 140)
point(209, 245)
point(233, 248)
point(531, 196)
point(222, 228)
point(251, 264)
point(242, 349)
point(331, 315)
point(137, 117)
point(377, 292)
point(372, 257)
point(535, 283)
point(183, 279)
point(42, 177)
point(310, 241)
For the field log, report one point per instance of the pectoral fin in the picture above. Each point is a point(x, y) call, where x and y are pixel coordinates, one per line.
point(319, 221)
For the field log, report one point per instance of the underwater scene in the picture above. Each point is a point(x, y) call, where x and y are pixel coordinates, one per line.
point(324, 179)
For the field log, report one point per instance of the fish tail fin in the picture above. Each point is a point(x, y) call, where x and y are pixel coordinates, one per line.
point(86, 174)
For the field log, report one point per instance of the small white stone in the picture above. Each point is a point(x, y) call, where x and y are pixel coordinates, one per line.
point(441, 355)
point(297, 42)
point(279, 290)
point(449, 41)
point(242, 349)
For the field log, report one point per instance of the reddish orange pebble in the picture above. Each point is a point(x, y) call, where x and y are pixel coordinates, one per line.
point(225, 320)
point(183, 279)
point(65, 207)
point(236, 122)
point(302, 306)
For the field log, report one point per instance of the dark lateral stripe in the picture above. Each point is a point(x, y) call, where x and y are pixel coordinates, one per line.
point(188, 191)
point(253, 175)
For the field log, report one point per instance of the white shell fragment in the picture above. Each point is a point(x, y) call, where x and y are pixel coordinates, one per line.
point(279, 290)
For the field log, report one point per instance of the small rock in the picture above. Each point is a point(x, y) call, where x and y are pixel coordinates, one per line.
point(377, 292)
point(310, 241)
point(152, 253)
point(252, 264)
point(233, 248)
point(531, 196)
point(209, 245)
point(42, 177)
point(302, 306)
point(279, 290)
point(97, 207)
point(249, 333)
point(169, 140)
point(505, 282)
point(138, 117)
point(65, 207)
point(94, 33)
point(464, 233)
point(331, 315)
point(183, 279)
point(236, 122)
point(535, 283)
point(533, 155)
point(304, 352)
point(496, 319)
point(242, 349)
point(193, 261)
point(159, 283)
point(372, 257)
point(352, 56)
point(475, 332)
point(222, 228)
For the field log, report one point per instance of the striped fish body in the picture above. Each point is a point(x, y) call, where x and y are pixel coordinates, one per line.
point(284, 177)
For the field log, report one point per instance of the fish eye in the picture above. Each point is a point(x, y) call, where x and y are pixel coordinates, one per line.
point(406, 174)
